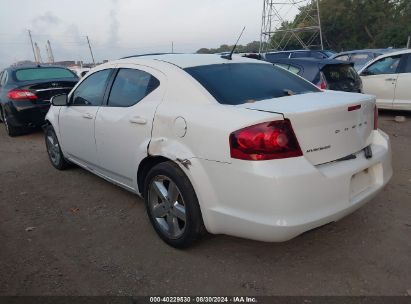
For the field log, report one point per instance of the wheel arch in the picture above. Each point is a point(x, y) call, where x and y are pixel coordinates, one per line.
point(145, 166)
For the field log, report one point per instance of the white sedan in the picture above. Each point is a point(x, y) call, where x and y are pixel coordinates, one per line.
point(389, 78)
point(235, 147)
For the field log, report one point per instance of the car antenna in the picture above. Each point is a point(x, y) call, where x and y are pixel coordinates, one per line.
point(230, 56)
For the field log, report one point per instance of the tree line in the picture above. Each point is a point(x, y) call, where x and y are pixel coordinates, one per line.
point(350, 24)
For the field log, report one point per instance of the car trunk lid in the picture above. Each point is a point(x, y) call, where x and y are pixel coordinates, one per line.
point(328, 125)
point(44, 90)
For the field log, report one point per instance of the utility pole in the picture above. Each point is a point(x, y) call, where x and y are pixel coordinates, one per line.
point(32, 46)
point(91, 52)
point(319, 25)
point(409, 42)
point(172, 47)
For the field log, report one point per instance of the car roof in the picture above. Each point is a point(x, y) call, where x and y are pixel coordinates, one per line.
point(32, 66)
point(400, 52)
point(378, 51)
point(295, 51)
point(187, 60)
point(312, 61)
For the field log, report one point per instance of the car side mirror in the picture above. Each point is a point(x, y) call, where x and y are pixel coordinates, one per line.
point(59, 100)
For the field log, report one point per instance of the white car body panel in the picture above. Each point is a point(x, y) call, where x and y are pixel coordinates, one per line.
point(272, 200)
point(381, 87)
point(402, 100)
point(393, 91)
point(122, 134)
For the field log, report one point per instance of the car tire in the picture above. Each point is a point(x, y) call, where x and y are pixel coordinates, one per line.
point(54, 152)
point(172, 205)
point(11, 130)
point(1, 114)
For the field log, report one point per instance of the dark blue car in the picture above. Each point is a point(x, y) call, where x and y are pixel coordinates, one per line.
point(327, 74)
point(25, 93)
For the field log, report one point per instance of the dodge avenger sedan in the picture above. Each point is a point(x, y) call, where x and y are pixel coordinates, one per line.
point(226, 145)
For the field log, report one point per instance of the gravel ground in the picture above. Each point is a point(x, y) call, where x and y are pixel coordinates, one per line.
point(72, 233)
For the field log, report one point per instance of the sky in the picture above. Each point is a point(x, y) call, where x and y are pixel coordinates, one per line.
point(117, 28)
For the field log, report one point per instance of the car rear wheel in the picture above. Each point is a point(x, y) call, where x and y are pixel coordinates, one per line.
point(54, 151)
point(10, 128)
point(172, 205)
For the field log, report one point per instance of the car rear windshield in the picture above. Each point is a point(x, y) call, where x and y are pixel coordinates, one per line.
point(238, 83)
point(339, 72)
point(43, 74)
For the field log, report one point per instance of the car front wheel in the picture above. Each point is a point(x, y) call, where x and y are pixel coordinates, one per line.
point(172, 205)
point(54, 151)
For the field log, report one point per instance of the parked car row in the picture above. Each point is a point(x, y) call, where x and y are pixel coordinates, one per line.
point(385, 73)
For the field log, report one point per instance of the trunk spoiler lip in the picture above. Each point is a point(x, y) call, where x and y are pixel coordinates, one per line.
point(353, 101)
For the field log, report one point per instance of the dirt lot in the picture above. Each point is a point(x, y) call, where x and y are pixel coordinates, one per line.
point(93, 238)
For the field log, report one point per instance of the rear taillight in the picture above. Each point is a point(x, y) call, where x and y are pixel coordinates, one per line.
point(322, 84)
point(21, 94)
point(269, 140)
point(375, 117)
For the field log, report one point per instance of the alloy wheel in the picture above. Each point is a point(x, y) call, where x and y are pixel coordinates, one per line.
point(167, 206)
point(53, 148)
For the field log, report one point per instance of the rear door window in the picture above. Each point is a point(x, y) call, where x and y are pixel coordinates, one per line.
point(131, 86)
point(91, 91)
point(238, 83)
point(407, 64)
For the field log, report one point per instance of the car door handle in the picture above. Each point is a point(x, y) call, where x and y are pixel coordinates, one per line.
point(138, 120)
point(391, 79)
point(87, 116)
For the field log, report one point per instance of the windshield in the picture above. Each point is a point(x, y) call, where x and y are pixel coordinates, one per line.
point(43, 73)
point(238, 83)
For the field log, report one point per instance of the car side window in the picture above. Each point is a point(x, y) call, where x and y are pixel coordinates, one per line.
point(282, 65)
point(130, 87)
point(91, 91)
point(407, 67)
point(343, 58)
point(387, 65)
point(294, 69)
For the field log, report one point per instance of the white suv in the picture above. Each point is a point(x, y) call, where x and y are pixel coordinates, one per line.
point(237, 146)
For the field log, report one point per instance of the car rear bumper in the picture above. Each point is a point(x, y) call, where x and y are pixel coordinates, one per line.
point(27, 114)
point(278, 200)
